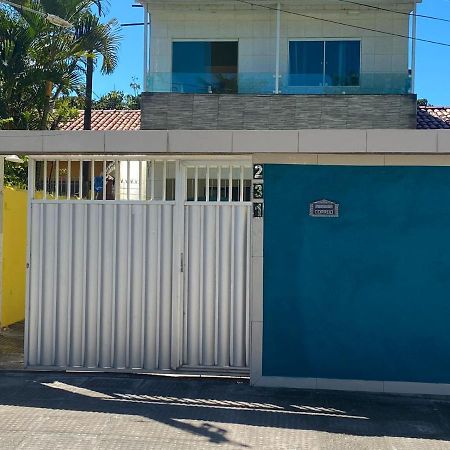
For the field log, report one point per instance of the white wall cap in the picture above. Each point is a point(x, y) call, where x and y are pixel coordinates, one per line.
point(443, 141)
point(260, 141)
point(226, 141)
point(21, 142)
point(133, 142)
point(74, 142)
point(332, 141)
point(402, 141)
point(200, 141)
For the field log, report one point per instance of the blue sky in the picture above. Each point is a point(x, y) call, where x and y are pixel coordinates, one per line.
point(433, 62)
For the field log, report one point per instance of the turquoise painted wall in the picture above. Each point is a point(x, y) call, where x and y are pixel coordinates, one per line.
point(366, 295)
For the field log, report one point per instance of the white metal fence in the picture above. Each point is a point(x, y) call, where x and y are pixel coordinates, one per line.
point(108, 284)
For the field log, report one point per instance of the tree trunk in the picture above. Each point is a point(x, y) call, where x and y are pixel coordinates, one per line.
point(46, 111)
point(89, 85)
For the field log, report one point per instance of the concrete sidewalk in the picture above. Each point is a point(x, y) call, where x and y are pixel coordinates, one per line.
point(86, 411)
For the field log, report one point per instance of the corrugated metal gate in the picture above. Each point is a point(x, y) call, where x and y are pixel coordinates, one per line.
point(138, 264)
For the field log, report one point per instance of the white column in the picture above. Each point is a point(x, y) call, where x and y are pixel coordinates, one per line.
point(277, 52)
point(146, 49)
point(413, 53)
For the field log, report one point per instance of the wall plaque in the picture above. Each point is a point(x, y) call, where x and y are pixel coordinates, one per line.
point(324, 208)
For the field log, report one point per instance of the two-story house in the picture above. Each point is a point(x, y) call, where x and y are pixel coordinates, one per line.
point(265, 65)
point(277, 215)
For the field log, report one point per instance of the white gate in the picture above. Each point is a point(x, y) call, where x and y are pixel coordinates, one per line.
point(217, 256)
point(105, 283)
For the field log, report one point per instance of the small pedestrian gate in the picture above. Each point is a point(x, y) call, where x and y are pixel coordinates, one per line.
point(138, 264)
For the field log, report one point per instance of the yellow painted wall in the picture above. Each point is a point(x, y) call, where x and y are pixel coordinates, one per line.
point(14, 256)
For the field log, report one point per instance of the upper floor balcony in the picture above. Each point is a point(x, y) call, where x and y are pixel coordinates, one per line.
point(326, 48)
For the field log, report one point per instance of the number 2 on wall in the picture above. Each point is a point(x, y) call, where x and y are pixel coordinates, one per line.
point(258, 172)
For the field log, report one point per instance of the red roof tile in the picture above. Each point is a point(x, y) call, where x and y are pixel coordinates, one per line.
point(428, 118)
point(115, 120)
point(433, 118)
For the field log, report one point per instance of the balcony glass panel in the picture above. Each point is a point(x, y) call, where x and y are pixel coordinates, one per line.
point(264, 83)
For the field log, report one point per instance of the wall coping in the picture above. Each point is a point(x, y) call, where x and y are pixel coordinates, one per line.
point(225, 142)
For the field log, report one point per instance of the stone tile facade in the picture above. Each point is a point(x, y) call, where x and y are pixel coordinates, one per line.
point(276, 112)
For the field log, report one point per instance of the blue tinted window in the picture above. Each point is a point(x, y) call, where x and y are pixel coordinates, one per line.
point(306, 63)
point(342, 63)
point(202, 67)
point(324, 63)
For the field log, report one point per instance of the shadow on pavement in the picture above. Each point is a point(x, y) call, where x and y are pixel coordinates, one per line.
point(176, 400)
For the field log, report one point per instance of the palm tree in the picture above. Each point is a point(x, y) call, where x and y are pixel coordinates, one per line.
point(43, 63)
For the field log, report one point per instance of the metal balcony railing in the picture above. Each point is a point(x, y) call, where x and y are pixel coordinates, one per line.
point(264, 83)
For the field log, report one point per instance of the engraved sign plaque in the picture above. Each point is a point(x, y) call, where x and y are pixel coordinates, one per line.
point(324, 208)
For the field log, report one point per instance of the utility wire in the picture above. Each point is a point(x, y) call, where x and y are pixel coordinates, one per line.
point(412, 38)
point(379, 8)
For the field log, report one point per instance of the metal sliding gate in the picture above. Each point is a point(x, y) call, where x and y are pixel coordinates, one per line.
point(138, 264)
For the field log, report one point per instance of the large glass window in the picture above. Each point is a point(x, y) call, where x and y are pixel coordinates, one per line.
point(324, 63)
point(204, 67)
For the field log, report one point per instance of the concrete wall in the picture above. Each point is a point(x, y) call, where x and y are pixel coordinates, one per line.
point(255, 29)
point(276, 112)
point(14, 256)
point(362, 296)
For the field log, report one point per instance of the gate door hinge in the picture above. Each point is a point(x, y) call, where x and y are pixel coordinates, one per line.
point(182, 263)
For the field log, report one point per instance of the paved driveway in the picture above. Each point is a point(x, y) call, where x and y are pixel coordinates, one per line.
point(78, 411)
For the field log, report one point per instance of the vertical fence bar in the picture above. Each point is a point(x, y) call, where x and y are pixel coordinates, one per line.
point(69, 178)
point(219, 184)
point(57, 180)
point(45, 179)
point(164, 196)
point(241, 190)
point(128, 180)
point(104, 179)
point(92, 179)
point(207, 184)
point(140, 182)
point(152, 190)
point(80, 185)
point(230, 185)
point(196, 185)
point(117, 181)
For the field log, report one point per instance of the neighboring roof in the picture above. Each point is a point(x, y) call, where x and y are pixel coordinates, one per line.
point(433, 118)
point(428, 118)
point(102, 120)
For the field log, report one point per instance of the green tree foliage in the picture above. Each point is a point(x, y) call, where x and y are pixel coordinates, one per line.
point(117, 100)
point(43, 67)
point(16, 175)
point(422, 102)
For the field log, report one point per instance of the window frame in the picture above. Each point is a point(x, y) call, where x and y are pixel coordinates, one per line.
point(324, 41)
